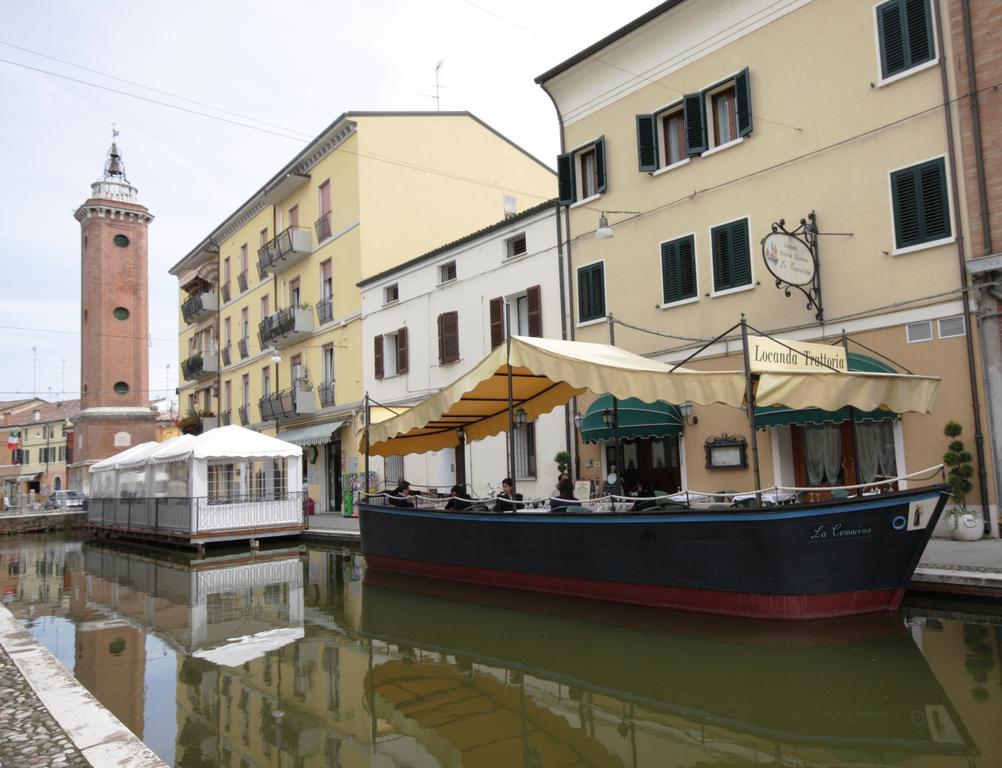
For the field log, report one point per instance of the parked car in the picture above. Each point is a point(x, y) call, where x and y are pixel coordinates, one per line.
point(67, 500)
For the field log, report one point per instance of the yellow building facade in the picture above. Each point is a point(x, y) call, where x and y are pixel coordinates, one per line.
point(696, 129)
point(270, 321)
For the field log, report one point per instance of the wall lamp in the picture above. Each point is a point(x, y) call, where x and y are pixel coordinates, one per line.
point(578, 420)
point(609, 418)
point(604, 231)
point(685, 410)
point(275, 357)
point(521, 417)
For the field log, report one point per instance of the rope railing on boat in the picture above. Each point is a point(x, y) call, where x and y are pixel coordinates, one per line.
point(686, 497)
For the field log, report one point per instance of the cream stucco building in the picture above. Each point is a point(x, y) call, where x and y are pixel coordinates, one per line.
point(695, 129)
point(270, 326)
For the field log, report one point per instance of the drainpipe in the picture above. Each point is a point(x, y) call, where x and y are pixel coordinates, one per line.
point(979, 157)
point(566, 300)
point(979, 437)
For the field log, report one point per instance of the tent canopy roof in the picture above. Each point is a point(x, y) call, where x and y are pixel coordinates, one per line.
point(230, 442)
point(549, 372)
point(113, 462)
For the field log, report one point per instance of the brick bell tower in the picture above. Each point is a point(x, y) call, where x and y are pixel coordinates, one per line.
point(114, 323)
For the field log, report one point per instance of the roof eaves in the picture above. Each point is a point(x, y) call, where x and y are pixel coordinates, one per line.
point(606, 41)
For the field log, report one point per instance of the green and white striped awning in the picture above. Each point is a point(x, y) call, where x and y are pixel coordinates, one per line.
point(315, 434)
point(637, 420)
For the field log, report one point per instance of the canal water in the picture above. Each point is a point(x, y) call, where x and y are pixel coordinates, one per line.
point(298, 658)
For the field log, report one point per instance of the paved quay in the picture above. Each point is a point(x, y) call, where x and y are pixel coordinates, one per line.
point(47, 718)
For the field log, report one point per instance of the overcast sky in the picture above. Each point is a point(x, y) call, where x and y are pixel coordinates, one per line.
point(295, 64)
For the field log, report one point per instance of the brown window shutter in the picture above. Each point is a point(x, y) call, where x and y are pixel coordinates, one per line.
point(535, 312)
point(441, 340)
point(379, 357)
point(402, 350)
point(449, 337)
point(497, 322)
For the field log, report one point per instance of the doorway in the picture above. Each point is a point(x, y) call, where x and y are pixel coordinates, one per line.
point(334, 476)
point(655, 460)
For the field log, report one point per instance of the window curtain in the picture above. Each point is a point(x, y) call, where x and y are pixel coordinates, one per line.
point(876, 449)
point(823, 453)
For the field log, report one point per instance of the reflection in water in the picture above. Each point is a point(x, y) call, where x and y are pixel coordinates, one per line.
point(275, 659)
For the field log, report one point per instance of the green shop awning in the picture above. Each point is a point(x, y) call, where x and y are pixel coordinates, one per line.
point(637, 419)
point(315, 434)
point(781, 416)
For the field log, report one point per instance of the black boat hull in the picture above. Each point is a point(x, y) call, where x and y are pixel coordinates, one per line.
point(801, 562)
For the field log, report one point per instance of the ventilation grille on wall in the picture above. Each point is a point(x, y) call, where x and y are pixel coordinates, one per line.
point(951, 326)
point(919, 331)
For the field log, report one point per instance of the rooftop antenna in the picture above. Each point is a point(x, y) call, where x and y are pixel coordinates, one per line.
point(437, 86)
point(62, 385)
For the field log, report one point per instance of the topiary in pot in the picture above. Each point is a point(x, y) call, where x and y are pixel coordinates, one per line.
point(964, 525)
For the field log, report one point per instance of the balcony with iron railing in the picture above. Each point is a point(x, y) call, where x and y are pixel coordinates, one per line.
point(225, 354)
point(288, 247)
point(285, 327)
point(200, 365)
point(326, 392)
point(325, 310)
point(224, 291)
point(243, 415)
point(322, 226)
point(199, 306)
point(224, 418)
point(295, 401)
point(242, 348)
point(242, 281)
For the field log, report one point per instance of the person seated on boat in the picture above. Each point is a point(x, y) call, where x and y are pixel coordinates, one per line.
point(644, 493)
point(459, 500)
point(565, 496)
point(507, 498)
point(401, 495)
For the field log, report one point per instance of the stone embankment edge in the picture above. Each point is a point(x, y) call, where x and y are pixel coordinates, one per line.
point(102, 738)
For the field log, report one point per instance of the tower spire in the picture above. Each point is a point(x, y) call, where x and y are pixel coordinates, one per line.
point(114, 168)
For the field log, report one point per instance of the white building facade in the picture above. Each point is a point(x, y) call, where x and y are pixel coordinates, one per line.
point(432, 319)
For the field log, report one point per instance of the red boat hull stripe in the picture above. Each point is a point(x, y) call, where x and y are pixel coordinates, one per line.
point(760, 606)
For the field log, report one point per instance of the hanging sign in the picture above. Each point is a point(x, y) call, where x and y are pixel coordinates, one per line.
point(767, 354)
point(788, 258)
point(791, 256)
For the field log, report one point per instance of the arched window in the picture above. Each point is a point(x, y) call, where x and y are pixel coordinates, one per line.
point(57, 483)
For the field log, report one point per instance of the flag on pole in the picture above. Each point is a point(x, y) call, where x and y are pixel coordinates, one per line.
point(13, 440)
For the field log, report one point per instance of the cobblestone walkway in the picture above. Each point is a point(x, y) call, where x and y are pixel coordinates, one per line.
point(29, 736)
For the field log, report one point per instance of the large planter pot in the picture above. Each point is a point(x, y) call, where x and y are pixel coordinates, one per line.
point(966, 527)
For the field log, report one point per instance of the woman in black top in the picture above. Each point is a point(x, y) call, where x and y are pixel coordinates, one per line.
point(459, 501)
point(565, 497)
point(507, 498)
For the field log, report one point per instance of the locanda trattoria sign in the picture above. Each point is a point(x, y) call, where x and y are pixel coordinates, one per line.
point(794, 356)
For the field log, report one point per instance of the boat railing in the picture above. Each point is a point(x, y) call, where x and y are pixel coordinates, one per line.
point(776, 495)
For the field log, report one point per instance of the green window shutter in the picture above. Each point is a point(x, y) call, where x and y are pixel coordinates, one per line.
point(920, 204)
point(742, 89)
point(731, 255)
point(919, 28)
point(678, 270)
point(740, 254)
point(647, 142)
point(891, 32)
point(904, 28)
point(904, 191)
point(565, 174)
point(694, 114)
point(935, 202)
point(591, 293)
point(600, 174)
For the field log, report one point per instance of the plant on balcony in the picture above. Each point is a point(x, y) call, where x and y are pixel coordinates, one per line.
point(191, 423)
point(192, 366)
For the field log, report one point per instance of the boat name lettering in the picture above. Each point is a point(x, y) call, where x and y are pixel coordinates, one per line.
point(838, 530)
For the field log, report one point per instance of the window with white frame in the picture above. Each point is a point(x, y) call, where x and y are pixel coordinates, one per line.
point(525, 451)
point(232, 481)
point(447, 272)
point(391, 293)
point(515, 246)
point(905, 36)
point(393, 470)
point(581, 173)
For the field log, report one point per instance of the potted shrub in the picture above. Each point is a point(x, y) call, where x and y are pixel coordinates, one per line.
point(563, 462)
point(964, 525)
point(191, 424)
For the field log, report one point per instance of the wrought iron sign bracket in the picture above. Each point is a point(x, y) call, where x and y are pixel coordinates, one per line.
point(806, 234)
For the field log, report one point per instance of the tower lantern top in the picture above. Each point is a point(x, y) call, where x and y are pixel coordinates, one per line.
point(114, 185)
